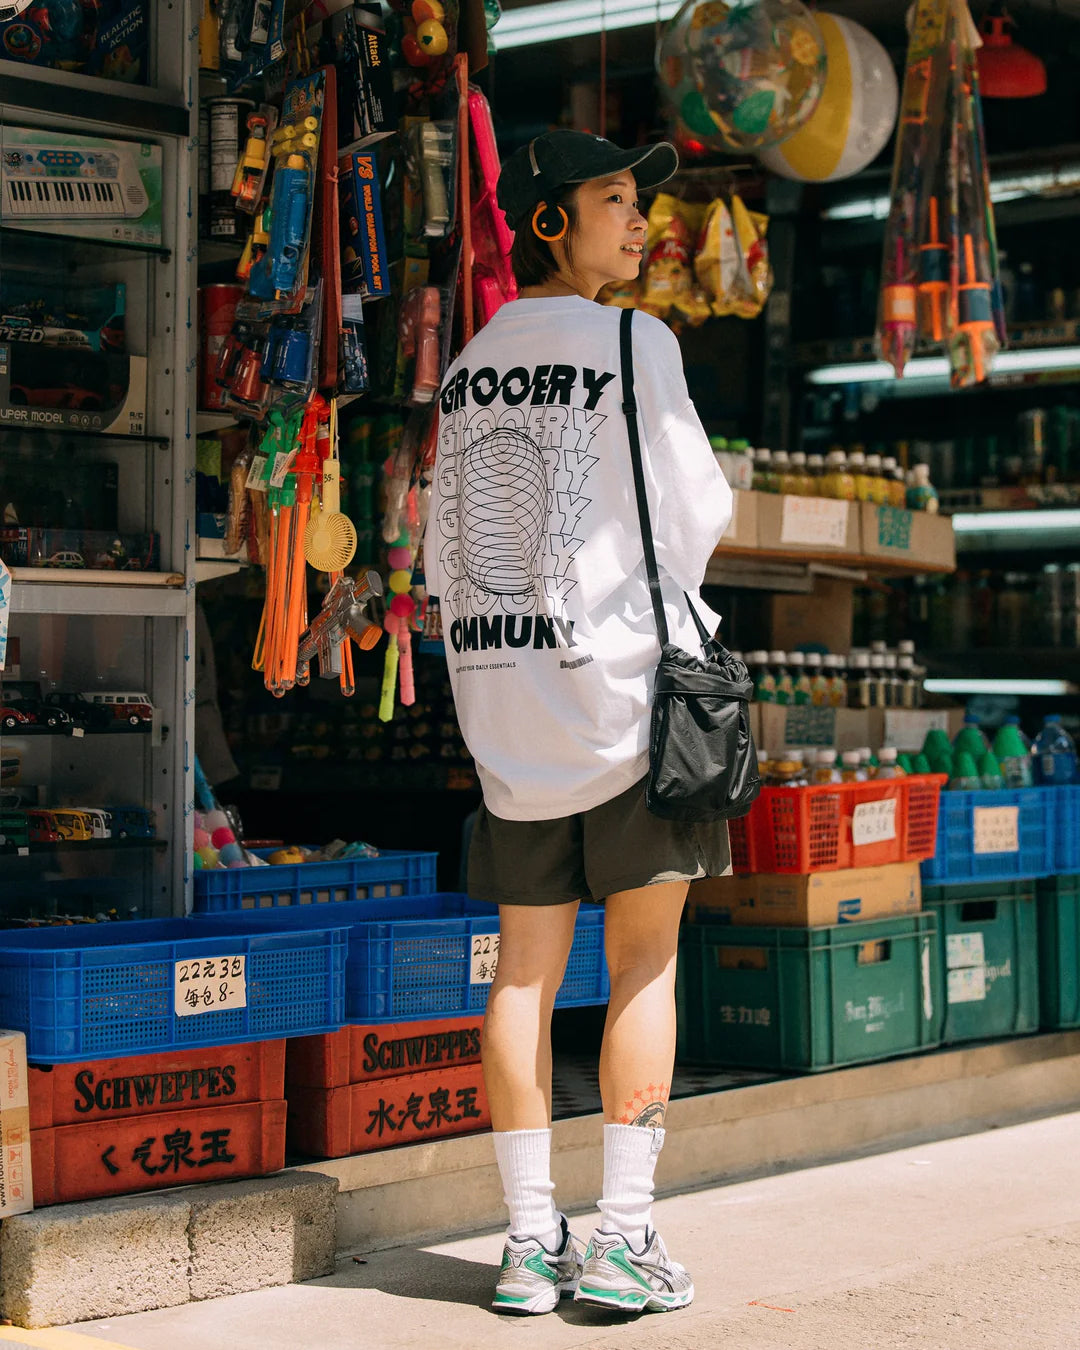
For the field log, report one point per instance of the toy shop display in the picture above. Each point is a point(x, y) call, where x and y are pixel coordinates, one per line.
point(75, 549)
point(108, 38)
point(940, 284)
point(71, 387)
point(90, 187)
point(90, 317)
point(855, 116)
point(757, 66)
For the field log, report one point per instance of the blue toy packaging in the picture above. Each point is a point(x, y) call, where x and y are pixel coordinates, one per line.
point(91, 317)
point(108, 38)
point(363, 243)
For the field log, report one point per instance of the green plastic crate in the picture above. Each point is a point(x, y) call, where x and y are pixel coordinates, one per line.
point(990, 955)
point(1059, 952)
point(813, 997)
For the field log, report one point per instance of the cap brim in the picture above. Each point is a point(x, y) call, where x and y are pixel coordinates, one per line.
point(652, 166)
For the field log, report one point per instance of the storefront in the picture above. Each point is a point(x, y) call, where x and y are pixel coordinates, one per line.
point(238, 251)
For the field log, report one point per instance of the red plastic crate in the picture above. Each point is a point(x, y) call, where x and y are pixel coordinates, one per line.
point(139, 1085)
point(810, 829)
point(148, 1153)
point(359, 1054)
point(363, 1117)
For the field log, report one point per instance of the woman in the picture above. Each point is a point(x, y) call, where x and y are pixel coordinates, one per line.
point(534, 551)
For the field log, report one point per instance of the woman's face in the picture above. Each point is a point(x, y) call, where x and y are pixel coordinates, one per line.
point(609, 239)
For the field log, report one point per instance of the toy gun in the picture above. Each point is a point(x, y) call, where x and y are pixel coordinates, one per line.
point(492, 238)
point(419, 332)
point(251, 168)
point(341, 617)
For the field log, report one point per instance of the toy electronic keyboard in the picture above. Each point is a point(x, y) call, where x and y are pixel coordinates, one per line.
point(54, 183)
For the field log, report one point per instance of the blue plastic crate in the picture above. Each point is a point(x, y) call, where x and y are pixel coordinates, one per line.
point(956, 860)
point(1067, 829)
point(105, 990)
point(223, 891)
point(411, 958)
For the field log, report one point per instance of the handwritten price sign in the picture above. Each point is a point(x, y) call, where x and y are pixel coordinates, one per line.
point(814, 520)
point(873, 822)
point(210, 984)
point(484, 959)
point(997, 829)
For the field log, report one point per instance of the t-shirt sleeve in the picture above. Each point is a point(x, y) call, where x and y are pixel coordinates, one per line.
point(690, 501)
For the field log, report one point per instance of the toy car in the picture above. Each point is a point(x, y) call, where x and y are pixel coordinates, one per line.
point(65, 558)
point(25, 696)
point(42, 827)
point(71, 823)
point(131, 822)
point(14, 830)
point(134, 709)
point(13, 717)
point(79, 709)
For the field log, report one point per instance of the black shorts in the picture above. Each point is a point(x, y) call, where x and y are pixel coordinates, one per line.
point(617, 846)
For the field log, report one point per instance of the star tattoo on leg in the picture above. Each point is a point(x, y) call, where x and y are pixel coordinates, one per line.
point(647, 1107)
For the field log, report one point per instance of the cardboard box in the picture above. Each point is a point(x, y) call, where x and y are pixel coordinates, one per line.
point(824, 617)
point(906, 728)
point(16, 1186)
point(363, 246)
point(742, 530)
point(130, 169)
point(354, 42)
point(111, 38)
point(812, 901)
point(61, 388)
point(840, 728)
point(807, 525)
point(908, 536)
point(358, 1054)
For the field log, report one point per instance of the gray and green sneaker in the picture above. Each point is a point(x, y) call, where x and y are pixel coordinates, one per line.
point(533, 1279)
point(616, 1276)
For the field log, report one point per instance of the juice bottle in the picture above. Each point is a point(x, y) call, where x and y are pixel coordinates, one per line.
point(838, 482)
point(799, 474)
point(815, 468)
point(857, 468)
point(787, 770)
point(921, 494)
point(800, 680)
point(888, 763)
point(825, 770)
point(785, 688)
point(762, 479)
point(894, 687)
point(850, 768)
point(860, 691)
point(908, 689)
point(867, 762)
point(879, 683)
point(819, 679)
point(781, 467)
point(894, 480)
point(762, 675)
point(838, 683)
point(879, 489)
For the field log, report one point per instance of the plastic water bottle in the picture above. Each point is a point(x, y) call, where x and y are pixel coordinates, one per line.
point(965, 774)
point(990, 772)
point(1055, 753)
point(888, 764)
point(1014, 755)
point(971, 739)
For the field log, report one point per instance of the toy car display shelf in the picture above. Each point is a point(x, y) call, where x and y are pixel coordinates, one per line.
point(96, 692)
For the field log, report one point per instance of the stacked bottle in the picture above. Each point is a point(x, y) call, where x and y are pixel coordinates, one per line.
point(852, 475)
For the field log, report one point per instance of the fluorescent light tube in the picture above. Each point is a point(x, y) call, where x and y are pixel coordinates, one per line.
point(1016, 522)
point(1049, 688)
point(1009, 188)
point(534, 24)
point(935, 367)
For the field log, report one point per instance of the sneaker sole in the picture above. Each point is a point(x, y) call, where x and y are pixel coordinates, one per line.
point(633, 1301)
point(539, 1303)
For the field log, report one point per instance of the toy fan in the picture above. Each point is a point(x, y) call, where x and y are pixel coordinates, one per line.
point(330, 537)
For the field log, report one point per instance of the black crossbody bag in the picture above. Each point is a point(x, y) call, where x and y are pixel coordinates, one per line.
point(702, 760)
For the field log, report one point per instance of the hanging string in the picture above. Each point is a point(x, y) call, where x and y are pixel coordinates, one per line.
point(603, 67)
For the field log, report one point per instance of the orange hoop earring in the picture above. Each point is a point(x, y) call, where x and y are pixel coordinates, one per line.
point(550, 223)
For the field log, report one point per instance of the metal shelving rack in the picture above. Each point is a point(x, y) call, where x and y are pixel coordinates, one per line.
point(69, 626)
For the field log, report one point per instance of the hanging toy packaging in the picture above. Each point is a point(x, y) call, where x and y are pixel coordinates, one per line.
point(732, 262)
point(669, 249)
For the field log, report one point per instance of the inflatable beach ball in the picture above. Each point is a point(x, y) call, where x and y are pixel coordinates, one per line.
point(678, 88)
point(759, 65)
point(856, 114)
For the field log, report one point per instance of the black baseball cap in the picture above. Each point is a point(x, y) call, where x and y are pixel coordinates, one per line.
point(559, 158)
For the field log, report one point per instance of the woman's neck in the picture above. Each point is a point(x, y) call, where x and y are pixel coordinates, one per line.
point(557, 286)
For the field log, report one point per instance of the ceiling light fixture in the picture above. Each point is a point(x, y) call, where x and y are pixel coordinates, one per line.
point(534, 24)
point(1047, 688)
point(1032, 360)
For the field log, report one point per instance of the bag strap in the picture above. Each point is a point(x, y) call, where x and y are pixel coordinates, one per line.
point(629, 407)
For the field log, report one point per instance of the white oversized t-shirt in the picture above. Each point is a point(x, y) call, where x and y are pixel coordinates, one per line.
point(534, 551)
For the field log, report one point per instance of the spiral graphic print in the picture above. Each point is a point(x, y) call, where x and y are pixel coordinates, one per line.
point(504, 502)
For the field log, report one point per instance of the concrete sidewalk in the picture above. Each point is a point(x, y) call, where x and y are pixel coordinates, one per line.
point(965, 1242)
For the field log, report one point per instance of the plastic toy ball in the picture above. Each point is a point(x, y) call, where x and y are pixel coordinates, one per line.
point(425, 10)
point(209, 856)
point(759, 65)
point(400, 581)
point(231, 854)
point(856, 115)
point(197, 862)
point(399, 557)
point(432, 38)
point(221, 837)
point(201, 838)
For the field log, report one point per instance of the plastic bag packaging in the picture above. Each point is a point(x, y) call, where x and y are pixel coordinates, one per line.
point(732, 262)
point(669, 281)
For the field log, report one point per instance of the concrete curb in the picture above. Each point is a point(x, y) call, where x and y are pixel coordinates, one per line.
point(104, 1258)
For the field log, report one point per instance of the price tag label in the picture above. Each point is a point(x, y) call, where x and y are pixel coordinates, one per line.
point(209, 984)
point(964, 949)
point(873, 822)
point(255, 474)
point(967, 985)
point(997, 829)
point(814, 520)
point(484, 959)
point(282, 464)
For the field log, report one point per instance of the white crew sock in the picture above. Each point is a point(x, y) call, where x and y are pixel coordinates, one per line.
point(630, 1153)
point(524, 1158)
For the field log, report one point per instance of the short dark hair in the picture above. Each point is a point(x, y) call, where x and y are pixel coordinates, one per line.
point(531, 258)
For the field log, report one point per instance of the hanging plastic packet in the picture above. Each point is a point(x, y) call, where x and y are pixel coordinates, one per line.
point(669, 281)
point(718, 264)
point(750, 233)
